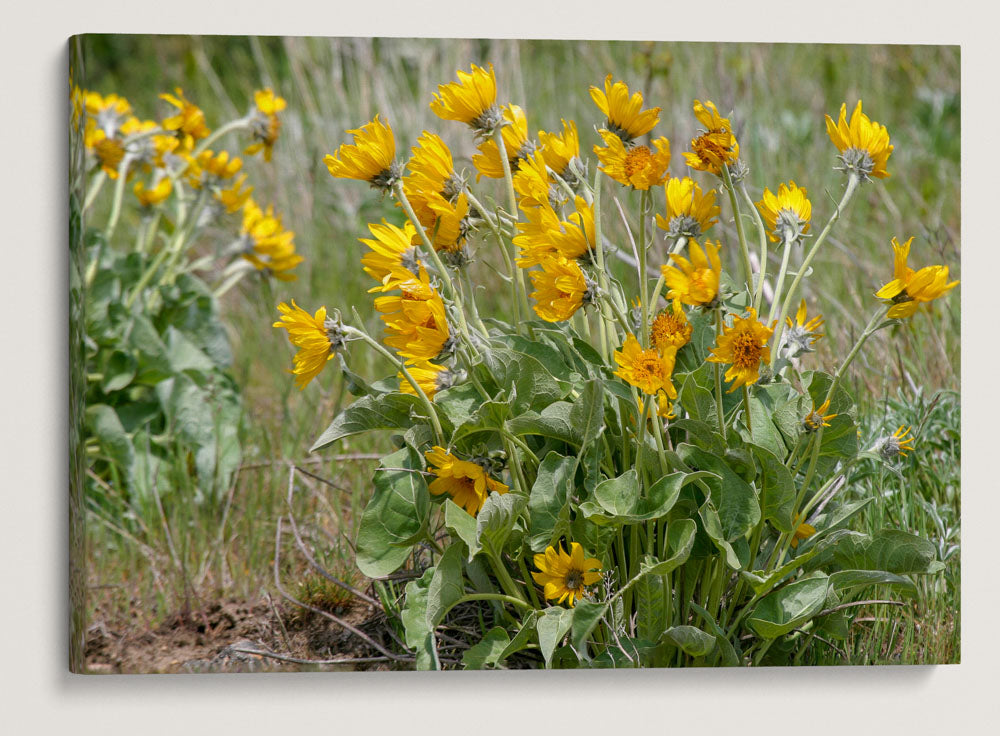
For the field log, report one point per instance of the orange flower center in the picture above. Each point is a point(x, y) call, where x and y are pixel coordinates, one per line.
point(746, 351)
point(574, 580)
point(666, 328)
point(648, 366)
point(110, 151)
point(637, 160)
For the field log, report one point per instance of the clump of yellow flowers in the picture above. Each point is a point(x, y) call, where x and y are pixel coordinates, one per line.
point(619, 416)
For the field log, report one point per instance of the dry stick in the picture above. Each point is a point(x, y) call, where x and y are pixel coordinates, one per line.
point(302, 547)
point(345, 660)
point(281, 624)
point(842, 606)
point(340, 622)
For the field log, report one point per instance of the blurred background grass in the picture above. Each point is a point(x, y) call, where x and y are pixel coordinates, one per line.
point(778, 95)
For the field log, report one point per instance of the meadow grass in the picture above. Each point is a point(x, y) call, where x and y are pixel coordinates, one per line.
point(150, 562)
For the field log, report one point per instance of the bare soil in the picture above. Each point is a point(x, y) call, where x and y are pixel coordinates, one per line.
point(223, 635)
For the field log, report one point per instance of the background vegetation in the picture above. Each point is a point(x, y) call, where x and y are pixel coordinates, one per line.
point(145, 564)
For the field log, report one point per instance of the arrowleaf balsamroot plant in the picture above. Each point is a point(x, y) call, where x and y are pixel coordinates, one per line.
point(637, 472)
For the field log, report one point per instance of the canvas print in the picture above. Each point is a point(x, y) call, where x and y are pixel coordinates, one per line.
point(413, 354)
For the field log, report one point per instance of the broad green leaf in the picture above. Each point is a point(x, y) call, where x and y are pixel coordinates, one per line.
point(890, 550)
point(777, 489)
point(446, 586)
point(692, 640)
point(548, 356)
point(523, 636)
point(554, 421)
point(587, 415)
point(727, 652)
point(553, 625)
point(651, 618)
point(395, 517)
point(732, 497)
point(713, 528)
point(459, 403)
point(496, 520)
point(618, 496)
point(680, 539)
point(549, 500)
point(184, 355)
point(790, 607)
point(848, 580)
point(586, 615)
point(764, 433)
point(696, 400)
point(391, 411)
point(701, 434)
point(525, 381)
point(459, 522)
point(119, 371)
point(819, 384)
point(487, 651)
point(418, 634)
point(104, 424)
point(761, 580)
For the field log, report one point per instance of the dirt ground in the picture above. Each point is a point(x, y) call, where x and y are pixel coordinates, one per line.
point(223, 637)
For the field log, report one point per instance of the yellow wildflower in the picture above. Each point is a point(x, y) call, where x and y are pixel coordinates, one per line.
point(416, 321)
point(466, 482)
point(561, 288)
point(908, 288)
point(695, 282)
point(188, 123)
point(637, 166)
point(155, 195)
point(431, 177)
point(803, 332)
point(431, 378)
point(818, 417)
point(786, 213)
point(564, 575)
point(559, 149)
point(802, 531)
point(863, 144)
point(470, 100)
point(625, 116)
point(670, 328)
point(264, 122)
point(898, 443)
point(648, 370)
point(211, 168)
point(392, 256)
point(316, 337)
point(689, 212)
point(516, 145)
point(372, 157)
point(744, 346)
point(532, 183)
point(716, 145)
point(235, 197)
point(266, 244)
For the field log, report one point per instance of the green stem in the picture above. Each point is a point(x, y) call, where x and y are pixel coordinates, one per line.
point(506, 581)
point(746, 409)
point(95, 187)
point(528, 581)
point(643, 279)
point(602, 276)
point(219, 132)
point(116, 203)
point(617, 312)
point(852, 184)
point(514, 212)
point(727, 180)
point(762, 237)
point(779, 284)
point(718, 382)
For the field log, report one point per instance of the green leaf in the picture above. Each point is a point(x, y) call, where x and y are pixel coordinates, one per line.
point(764, 434)
point(658, 502)
point(458, 403)
point(395, 517)
point(523, 636)
point(391, 411)
point(692, 640)
point(761, 580)
point(850, 580)
point(496, 520)
point(184, 355)
point(696, 400)
point(713, 528)
point(459, 522)
point(548, 356)
point(554, 421)
point(651, 612)
point(418, 634)
point(119, 371)
point(552, 626)
point(586, 615)
point(819, 384)
point(618, 496)
point(446, 586)
point(680, 540)
point(549, 500)
point(777, 489)
point(526, 382)
point(488, 651)
point(890, 550)
point(732, 497)
point(700, 434)
point(587, 415)
point(104, 424)
point(790, 607)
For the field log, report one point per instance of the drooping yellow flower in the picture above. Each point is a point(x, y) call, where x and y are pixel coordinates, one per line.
point(516, 144)
point(743, 346)
point(863, 144)
point(908, 288)
point(542, 234)
point(470, 100)
point(532, 183)
point(649, 370)
point(110, 151)
point(625, 116)
point(266, 243)
point(431, 176)
point(689, 212)
point(431, 378)
point(450, 228)
point(803, 332)
point(716, 145)
point(696, 282)
point(264, 122)
point(786, 213)
point(670, 328)
point(802, 531)
point(561, 288)
point(234, 198)
point(156, 194)
point(189, 122)
point(466, 482)
point(564, 575)
point(416, 321)
point(316, 337)
point(148, 150)
point(559, 149)
point(638, 166)
point(371, 158)
point(211, 168)
point(818, 417)
point(108, 113)
point(392, 256)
